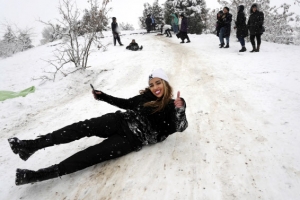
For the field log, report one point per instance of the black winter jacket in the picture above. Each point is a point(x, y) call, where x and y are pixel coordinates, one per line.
point(255, 22)
point(219, 25)
point(133, 46)
point(240, 23)
point(226, 24)
point(114, 27)
point(149, 127)
point(148, 21)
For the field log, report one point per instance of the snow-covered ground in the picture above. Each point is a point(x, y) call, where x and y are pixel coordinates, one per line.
point(243, 111)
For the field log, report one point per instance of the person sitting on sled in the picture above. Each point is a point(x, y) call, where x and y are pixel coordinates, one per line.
point(150, 117)
point(134, 46)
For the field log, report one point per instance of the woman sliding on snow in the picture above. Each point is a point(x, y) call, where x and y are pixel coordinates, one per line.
point(149, 118)
point(133, 46)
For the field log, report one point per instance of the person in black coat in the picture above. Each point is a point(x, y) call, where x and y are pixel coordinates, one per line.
point(241, 27)
point(225, 27)
point(148, 23)
point(149, 118)
point(134, 46)
point(255, 26)
point(184, 29)
point(219, 23)
point(115, 31)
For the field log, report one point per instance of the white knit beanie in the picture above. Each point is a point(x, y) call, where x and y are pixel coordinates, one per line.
point(159, 73)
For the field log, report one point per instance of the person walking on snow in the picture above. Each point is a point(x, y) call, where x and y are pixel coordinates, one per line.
point(255, 26)
point(241, 27)
point(149, 118)
point(116, 31)
point(148, 23)
point(166, 29)
point(175, 23)
point(134, 46)
point(226, 28)
point(184, 29)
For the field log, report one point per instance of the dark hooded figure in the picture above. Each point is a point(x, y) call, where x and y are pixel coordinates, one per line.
point(255, 26)
point(148, 23)
point(184, 29)
point(241, 27)
point(226, 27)
point(134, 46)
point(115, 31)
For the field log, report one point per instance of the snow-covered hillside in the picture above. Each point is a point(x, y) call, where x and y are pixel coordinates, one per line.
point(243, 111)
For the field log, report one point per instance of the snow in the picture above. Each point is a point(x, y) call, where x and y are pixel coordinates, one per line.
point(243, 112)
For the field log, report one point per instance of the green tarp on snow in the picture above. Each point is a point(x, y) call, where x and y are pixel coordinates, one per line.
point(9, 95)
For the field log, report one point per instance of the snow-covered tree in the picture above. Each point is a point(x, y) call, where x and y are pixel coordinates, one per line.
point(126, 26)
point(24, 40)
point(155, 10)
point(194, 10)
point(52, 32)
point(93, 20)
point(15, 41)
point(76, 48)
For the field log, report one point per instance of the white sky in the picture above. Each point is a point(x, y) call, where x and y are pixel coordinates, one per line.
point(25, 13)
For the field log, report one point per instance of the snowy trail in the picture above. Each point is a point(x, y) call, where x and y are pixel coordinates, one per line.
point(241, 143)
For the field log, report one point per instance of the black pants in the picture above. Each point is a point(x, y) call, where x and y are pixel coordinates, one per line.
point(117, 37)
point(258, 38)
point(184, 36)
point(168, 32)
point(119, 141)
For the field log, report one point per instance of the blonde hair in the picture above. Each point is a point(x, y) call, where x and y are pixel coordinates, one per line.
point(160, 103)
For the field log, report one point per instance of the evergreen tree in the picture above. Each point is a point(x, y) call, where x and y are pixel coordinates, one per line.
point(155, 10)
point(194, 10)
point(147, 10)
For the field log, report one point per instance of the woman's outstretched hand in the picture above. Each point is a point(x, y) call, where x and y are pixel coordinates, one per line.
point(95, 93)
point(178, 102)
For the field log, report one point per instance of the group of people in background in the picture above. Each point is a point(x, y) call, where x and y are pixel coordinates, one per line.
point(150, 23)
point(254, 26)
point(179, 26)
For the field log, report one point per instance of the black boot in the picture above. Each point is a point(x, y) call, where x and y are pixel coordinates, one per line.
point(24, 176)
point(227, 46)
point(141, 47)
point(25, 148)
point(182, 42)
point(254, 49)
point(257, 49)
point(188, 41)
point(222, 45)
point(243, 49)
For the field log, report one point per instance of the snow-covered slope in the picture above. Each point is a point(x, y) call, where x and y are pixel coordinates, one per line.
point(243, 111)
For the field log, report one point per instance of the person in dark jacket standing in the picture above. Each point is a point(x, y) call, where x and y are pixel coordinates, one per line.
point(241, 27)
point(148, 23)
point(149, 118)
point(134, 46)
point(153, 23)
point(219, 23)
point(225, 27)
point(184, 29)
point(115, 31)
point(255, 26)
